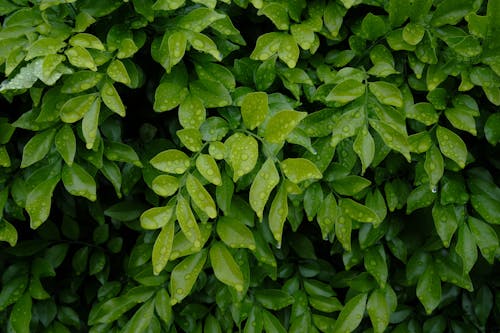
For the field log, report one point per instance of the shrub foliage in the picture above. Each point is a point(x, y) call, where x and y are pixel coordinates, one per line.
point(249, 165)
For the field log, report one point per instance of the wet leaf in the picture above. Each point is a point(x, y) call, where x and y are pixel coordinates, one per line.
point(208, 168)
point(187, 221)
point(162, 246)
point(235, 234)
point(37, 147)
point(254, 109)
point(185, 274)
point(265, 181)
point(278, 213)
point(79, 182)
point(242, 153)
point(171, 161)
point(300, 169)
point(39, 200)
point(429, 289)
point(486, 238)
point(165, 185)
point(281, 125)
point(200, 196)
point(452, 146)
point(225, 267)
point(156, 217)
point(351, 315)
point(75, 108)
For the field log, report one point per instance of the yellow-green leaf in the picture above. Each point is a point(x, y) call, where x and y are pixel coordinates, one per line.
point(265, 181)
point(300, 169)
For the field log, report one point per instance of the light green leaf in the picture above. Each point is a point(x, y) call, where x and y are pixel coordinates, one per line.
point(452, 146)
point(278, 213)
point(44, 46)
point(20, 316)
point(80, 57)
point(172, 90)
point(86, 40)
point(375, 262)
point(281, 125)
point(112, 99)
point(204, 44)
point(266, 46)
point(157, 217)
point(185, 274)
point(364, 146)
point(429, 289)
point(242, 153)
point(462, 118)
point(235, 234)
point(8, 233)
point(451, 12)
point(162, 246)
point(81, 81)
point(65, 143)
point(207, 167)
point(141, 320)
point(4, 157)
point(288, 51)
point(265, 181)
point(343, 228)
point(118, 72)
point(75, 108)
point(120, 152)
point(39, 200)
point(171, 161)
point(200, 196)
point(386, 93)
point(300, 169)
point(225, 267)
point(37, 147)
point(378, 311)
point(326, 215)
point(190, 138)
point(163, 306)
point(346, 91)
point(191, 112)
point(351, 315)
point(90, 123)
point(358, 212)
point(165, 185)
point(254, 109)
point(274, 299)
point(445, 221)
point(212, 93)
point(79, 182)
point(392, 138)
point(187, 221)
point(423, 112)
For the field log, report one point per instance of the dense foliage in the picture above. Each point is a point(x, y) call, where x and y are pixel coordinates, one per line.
point(249, 165)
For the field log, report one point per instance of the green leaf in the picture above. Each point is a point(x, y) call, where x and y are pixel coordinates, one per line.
point(392, 138)
point(288, 51)
point(80, 57)
point(274, 299)
point(190, 138)
point(112, 99)
point(200, 196)
point(187, 221)
point(423, 112)
point(172, 90)
point(277, 13)
point(278, 213)
point(271, 323)
point(185, 274)
point(75, 108)
point(358, 211)
point(445, 221)
point(225, 267)
point(8, 233)
point(487, 207)
point(486, 238)
point(266, 46)
point(38, 202)
point(37, 147)
point(375, 262)
point(343, 228)
point(165, 185)
point(413, 33)
point(171, 161)
point(162, 246)
point(327, 214)
point(90, 124)
point(420, 197)
point(372, 26)
point(4, 157)
point(466, 247)
point(163, 307)
point(434, 165)
point(203, 44)
point(254, 109)
point(87, 41)
point(191, 112)
point(81, 81)
point(242, 153)
point(492, 128)
point(20, 316)
point(386, 93)
point(208, 168)
point(281, 125)
point(451, 12)
point(350, 185)
point(300, 169)
point(265, 181)
point(235, 234)
point(254, 322)
point(364, 146)
point(351, 315)
point(120, 152)
point(79, 182)
point(346, 91)
point(44, 46)
point(65, 142)
point(156, 217)
point(378, 310)
point(452, 146)
point(429, 289)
